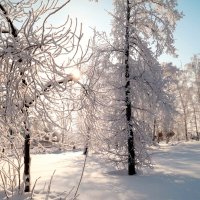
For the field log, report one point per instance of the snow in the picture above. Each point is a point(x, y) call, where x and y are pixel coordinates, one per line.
point(175, 176)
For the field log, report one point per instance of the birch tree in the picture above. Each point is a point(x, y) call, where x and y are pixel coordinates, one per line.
point(32, 75)
point(131, 77)
point(193, 69)
point(165, 119)
point(186, 98)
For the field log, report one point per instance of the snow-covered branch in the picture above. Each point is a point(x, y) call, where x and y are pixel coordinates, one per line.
point(36, 61)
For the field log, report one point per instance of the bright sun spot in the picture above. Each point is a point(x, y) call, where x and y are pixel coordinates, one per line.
point(76, 74)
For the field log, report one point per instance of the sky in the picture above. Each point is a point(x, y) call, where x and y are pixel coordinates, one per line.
point(187, 34)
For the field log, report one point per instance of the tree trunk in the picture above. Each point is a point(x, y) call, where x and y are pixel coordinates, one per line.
point(154, 130)
point(195, 121)
point(184, 115)
point(186, 129)
point(131, 148)
point(27, 161)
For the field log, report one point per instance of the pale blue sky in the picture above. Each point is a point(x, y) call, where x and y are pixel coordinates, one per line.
point(187, 34)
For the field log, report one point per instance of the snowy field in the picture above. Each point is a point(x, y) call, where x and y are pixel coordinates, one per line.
point(176, 176)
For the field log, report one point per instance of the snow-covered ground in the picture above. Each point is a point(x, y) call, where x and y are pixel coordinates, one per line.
point(175, 176)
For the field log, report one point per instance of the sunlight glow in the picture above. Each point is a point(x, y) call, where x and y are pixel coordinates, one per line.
point(76, 74)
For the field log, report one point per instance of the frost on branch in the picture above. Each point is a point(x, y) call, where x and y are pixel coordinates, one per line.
point(131, 87)
point(36, 63)
point(34, 53)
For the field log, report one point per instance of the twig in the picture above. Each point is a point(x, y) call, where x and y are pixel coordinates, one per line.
point(84, 164)
point(4, 187)
point(34, 188)
point(49, 186)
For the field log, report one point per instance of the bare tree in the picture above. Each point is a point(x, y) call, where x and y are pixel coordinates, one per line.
point(183, 105)
point(193, 69)
point(32, 73)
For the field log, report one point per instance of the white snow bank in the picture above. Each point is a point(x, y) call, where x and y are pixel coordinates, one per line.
point(176, 176)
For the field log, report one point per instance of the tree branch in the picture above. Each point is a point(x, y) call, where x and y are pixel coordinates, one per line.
point(13, 29)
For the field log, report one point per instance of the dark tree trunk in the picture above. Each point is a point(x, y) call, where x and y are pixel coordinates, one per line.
point(27, 158)
point(27, 133)
point(154, 130)
point(27, 161)
point(131, 148)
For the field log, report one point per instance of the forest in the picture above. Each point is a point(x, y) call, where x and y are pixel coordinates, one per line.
point(108, 96)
